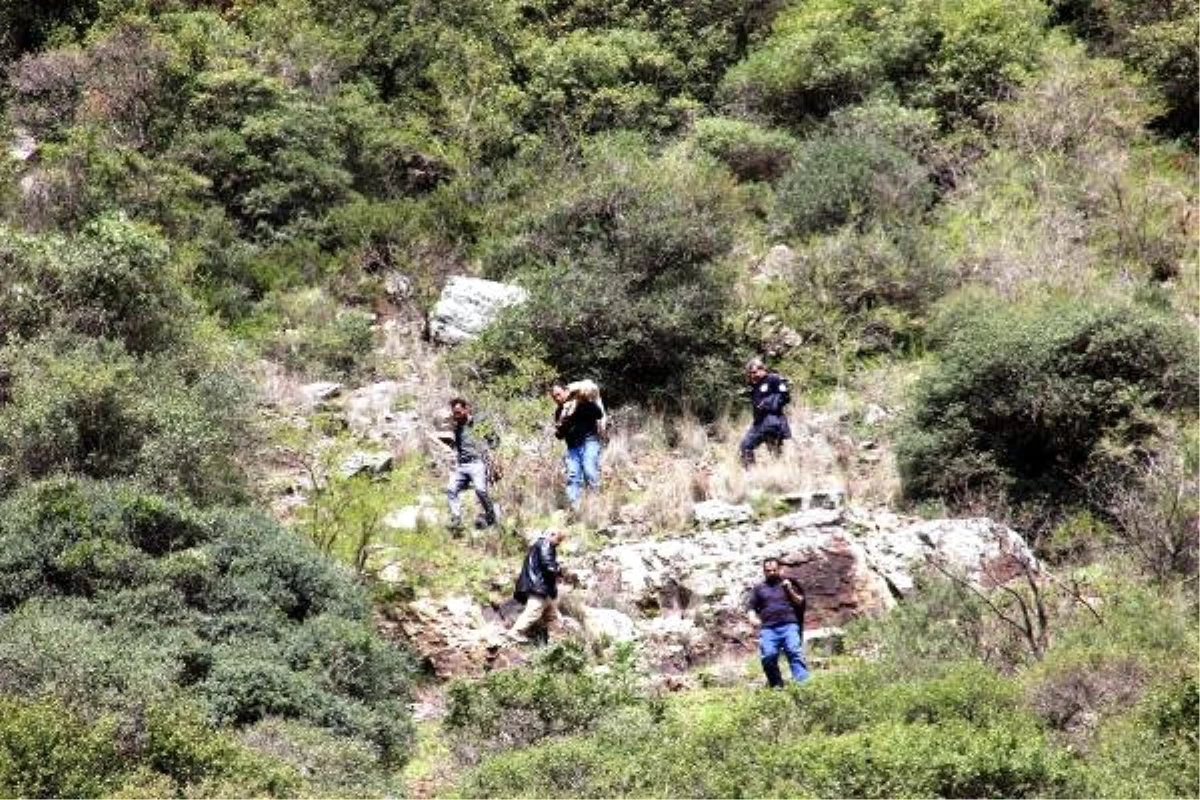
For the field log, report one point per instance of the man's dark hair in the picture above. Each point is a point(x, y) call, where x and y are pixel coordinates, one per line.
point(459, 401)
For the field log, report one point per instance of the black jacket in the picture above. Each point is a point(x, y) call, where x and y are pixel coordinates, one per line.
point(539, 573)
point(579, 425)
point(768, 399)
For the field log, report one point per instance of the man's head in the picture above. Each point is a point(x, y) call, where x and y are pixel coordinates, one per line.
point(756, 370)
point(771, 570)
point(460, 409)
point(559, 393)
point(557, 536)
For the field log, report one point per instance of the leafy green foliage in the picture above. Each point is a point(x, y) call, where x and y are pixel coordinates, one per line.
point(957, 735)
point(125, 598)
point(48, 751)
point(87, 407)
point(751, 152)
point(840, 179)
point(1024, 396)
point(951, 56)
point(1154, 38)
point(112, 281)
point(626, 271)
point(559, 693)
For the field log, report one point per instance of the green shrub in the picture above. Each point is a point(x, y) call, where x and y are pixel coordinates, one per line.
point(751, 152)
point(166, 750)
point(312, 334)
point(118, 597)
point(952, 56)
point(46, 751)
point(960, 736)
point(625, 264)
point(87, 407)
point(113, 280)
point(330, 765)
point(1024, 397)
point(1153, 38)
point(838, 179)
point(589, 81)
point(559, 693)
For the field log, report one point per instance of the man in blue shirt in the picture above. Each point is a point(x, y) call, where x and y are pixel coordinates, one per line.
point(769, 396)
point(777, 606)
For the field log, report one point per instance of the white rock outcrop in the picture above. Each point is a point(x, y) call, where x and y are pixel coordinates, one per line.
point(468, 305)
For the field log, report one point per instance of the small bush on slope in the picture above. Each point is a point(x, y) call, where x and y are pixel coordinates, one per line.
point(1023, 398)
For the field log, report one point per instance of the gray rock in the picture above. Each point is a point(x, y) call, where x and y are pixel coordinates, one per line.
point(981, 550)
point(370, 413)
point(874, 415)
point(777, 263)
point(23, 146)
point(683, 597)
point(468, 305)
point(397, 286)
point(375, 463)
point(320, 392)
point(717, 513)
point(608, 623)
point(409, 518)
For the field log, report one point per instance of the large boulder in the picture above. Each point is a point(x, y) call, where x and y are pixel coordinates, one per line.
point(683, 597)
point(468, 305)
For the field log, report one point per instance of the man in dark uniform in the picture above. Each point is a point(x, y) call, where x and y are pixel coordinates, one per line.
point(777, 606)
point(769, 395)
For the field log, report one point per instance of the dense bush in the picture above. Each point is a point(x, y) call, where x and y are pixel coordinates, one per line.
point(560, 693)
point(1024, 397)
point(48, 751)
point(955, 736)
point(80, 406)
point(838, 179)
point(751, 152)
point(126, 598)
point(592, 81)
point(1156, 39)
point(625, 263)
point(114, 280)
point(951, 56)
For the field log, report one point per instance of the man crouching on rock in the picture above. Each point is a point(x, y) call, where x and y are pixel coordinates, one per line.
point(777, 606)
point(537, 585)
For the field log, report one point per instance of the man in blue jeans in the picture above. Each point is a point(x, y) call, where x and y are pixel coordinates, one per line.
point(777, 606)
point(577, 421)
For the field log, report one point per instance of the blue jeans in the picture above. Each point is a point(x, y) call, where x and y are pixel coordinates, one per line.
point(770, 640)
point(583, 465)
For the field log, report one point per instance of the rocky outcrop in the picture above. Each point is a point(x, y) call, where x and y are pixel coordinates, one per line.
point(468, 305)
point(450, 635)
point(682, 597)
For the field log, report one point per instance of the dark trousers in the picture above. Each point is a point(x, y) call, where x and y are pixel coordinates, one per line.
point(760, 434)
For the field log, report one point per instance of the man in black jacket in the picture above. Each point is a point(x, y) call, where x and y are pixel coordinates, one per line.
point(777, 606)
point(537, 585)
point(577, 421)
point(769, 396)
